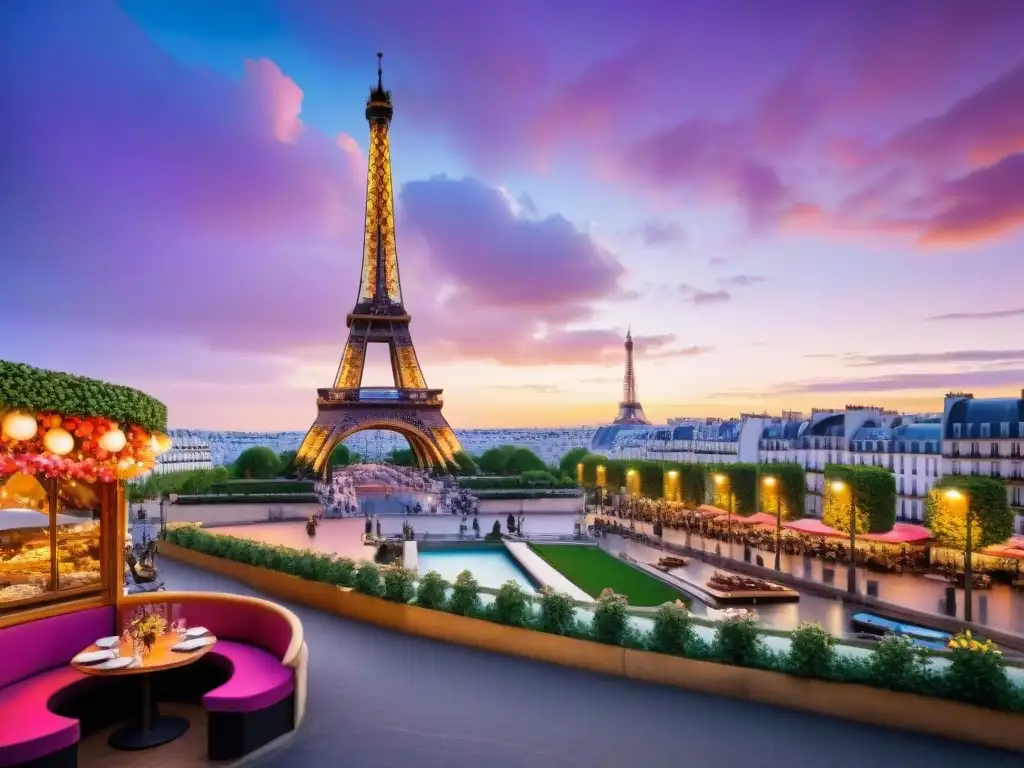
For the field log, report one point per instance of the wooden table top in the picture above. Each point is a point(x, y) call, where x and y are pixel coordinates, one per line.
point(160, 657)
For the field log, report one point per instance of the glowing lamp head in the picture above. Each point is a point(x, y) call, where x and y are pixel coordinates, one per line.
point(769, 482)
point(673, 473)
point(838, 486)
point(954, 495)
point(20, 426)
point(59, 441)
point(630, 471)
point(113, 440)
point(719, 479)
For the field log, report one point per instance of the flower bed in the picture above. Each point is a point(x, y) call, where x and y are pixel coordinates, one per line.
point(976, 673)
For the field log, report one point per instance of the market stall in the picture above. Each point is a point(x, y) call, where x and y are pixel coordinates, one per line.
point(67, 445)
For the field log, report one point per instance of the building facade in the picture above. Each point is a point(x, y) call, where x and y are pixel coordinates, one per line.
point(983, 436)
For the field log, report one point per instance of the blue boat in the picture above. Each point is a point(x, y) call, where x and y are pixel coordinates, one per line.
point(932, 639)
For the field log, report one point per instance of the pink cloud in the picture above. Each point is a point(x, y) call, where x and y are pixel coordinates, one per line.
point(281, 96)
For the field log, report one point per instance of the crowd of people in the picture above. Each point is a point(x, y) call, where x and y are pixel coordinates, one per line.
point(423, 493)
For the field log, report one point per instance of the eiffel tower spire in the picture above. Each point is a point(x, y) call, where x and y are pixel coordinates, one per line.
point(380, 317)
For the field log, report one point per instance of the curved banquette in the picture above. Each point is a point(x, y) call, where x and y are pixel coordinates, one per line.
point(252, 684)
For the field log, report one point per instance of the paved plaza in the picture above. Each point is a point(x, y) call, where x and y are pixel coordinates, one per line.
point(379, 699)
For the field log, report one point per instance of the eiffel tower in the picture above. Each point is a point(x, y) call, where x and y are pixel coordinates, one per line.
point(630, 410)
point(409, 408)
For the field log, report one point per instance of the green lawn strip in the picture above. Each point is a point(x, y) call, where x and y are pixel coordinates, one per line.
point(592, 570)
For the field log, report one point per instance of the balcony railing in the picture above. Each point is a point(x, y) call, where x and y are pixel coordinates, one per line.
point(378, 396)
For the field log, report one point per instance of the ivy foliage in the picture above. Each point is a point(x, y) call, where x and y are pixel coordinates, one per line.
point(992, 518)
point(871, 489)
point(22, 386)
point(790, 490)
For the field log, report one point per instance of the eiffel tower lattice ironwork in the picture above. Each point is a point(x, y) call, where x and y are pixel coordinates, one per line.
point(630, 410)
point(409, 408)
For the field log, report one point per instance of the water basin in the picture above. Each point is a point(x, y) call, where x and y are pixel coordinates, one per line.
point(492, 566)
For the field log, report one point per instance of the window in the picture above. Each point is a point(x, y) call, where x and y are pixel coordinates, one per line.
point(993, 449)
point(975, 468)
point(985, 430)
point(50, 540)
point(1004, 429)
point(994, 471)
point(903, 511)
point(975, 449)
point(913, 492)
point(956, 468)
point(956, 430)
point(1015, 471)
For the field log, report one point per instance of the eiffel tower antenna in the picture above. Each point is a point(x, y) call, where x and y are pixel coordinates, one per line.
point(379, 316)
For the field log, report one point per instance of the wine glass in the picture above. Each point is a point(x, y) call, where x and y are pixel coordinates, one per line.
point(182, 627)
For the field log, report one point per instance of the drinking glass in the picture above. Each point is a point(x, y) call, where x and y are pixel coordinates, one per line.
point(182, 626)
point(116, 650)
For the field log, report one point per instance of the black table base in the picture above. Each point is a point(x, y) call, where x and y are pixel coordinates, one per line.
point(137, 736)
point(154, 729)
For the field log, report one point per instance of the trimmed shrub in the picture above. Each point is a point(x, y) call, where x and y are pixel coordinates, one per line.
point(36, 389)
point(399, 583)
point(992, 518)
point(432, 591)
point(368, 580)
point(812, 652)
point(557, 613)
point(737, 641)
point(673, 629)
point(898, 664)
point(977, 673)
point(611, 620)
point(511, 605)
point(872, 489)
point(465, 599)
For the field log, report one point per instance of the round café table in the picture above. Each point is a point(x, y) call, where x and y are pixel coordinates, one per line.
point(153, 729)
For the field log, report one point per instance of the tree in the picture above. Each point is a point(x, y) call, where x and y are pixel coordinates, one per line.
point(258, 462)
point(493, 460)
point(464, 464)
point(992, 518)
point(523, 460)
point(568, 463)
point(286, 463)
point(340, 456)
point(404, 457)
point(871, 489)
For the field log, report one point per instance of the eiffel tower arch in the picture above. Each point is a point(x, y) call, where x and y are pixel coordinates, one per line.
point(410, 408)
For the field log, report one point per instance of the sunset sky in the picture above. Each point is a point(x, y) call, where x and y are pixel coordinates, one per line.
point(792, 203)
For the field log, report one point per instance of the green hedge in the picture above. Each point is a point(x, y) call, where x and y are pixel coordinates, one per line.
point(974, 673)
point(874, 491)
point(993, 518)
point(267, 498)
point(697, 486)
point(529, 479)
point(528, 493)
point(261, 487)
point(22, 386)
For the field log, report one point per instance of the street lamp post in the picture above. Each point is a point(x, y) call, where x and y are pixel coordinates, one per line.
point(955, 495)
point(770, 483)
point(719, 480)
point(851, 575)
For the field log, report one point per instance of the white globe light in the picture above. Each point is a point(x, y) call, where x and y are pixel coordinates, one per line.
point(59, 441)
point(20, 426)
point(113, 440)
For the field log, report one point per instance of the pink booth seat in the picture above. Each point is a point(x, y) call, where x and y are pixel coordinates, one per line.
point(33, 671)
point(256, 640)
point(258, 679)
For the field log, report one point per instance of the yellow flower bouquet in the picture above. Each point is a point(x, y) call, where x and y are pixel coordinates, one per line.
point(147, 625)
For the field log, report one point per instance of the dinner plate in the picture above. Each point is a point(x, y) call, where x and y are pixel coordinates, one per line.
point(119, 662)
point(192, 645)
point(197, 632)
point(108, 642)
point(93, 657)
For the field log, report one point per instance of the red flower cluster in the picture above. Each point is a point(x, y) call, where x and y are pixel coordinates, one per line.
point(88, 461)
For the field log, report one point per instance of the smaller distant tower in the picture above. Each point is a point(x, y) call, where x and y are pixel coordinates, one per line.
point(630, 410)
